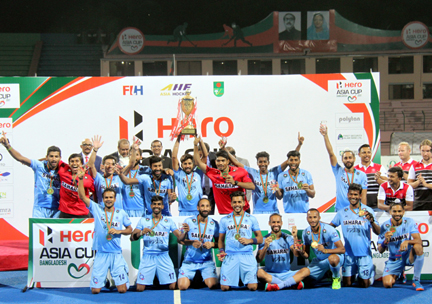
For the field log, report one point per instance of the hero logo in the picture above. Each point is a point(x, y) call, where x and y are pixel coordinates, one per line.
point(216, 126)
point(4, 95)
point(5, 125)
point(48, 235)
point(349, 90)
point(177, 89)
point(132, 90)
point(75, 236)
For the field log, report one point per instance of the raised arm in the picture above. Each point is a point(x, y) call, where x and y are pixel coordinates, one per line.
point(233, 160)
point(14, 153)
point(197, 159)
point(126, 180)
point(132, 158)
point(175, 160)
point(96, 140)
point(324, 133)
point(81, 190)
point(300, 142)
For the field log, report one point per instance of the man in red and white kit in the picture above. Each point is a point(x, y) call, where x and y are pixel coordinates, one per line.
point(395, 191)
point(70, 204)
point(226, 179)
point(404, 152)
point(376, 175)
point(420, 178)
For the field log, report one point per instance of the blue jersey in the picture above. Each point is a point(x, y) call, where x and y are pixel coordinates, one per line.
point(158, 243)
point(277, 258)
point(328, 237)
point(43, 178)
point(258, 193)
point(133, 195)
point(342, 184)
point(247, 228)
point(156, 187)
point(101, 183)
point(356, 230)
point(119, 220)
point(182, 179)
point(200, 255)
point(403, 233)
point(294, 199)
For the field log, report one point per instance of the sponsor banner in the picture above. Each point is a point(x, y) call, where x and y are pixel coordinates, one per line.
point(9, 95)
point(61, 252)
point(350, 91)
point(6, 176)
point(350, 136)
point(131, 41)
point(6, 193)
point(235, 107)
point(352, 120)
point(6, 210)
point(5, 159)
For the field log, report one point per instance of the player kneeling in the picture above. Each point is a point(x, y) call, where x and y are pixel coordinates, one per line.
point(276, 251)
point(327, 246)
point(400, 235)
point(107, 235)
point(198, 257)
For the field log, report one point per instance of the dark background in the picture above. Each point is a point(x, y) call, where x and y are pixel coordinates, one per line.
point(203, 16)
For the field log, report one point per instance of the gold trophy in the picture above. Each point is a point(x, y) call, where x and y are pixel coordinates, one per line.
point(188, 106)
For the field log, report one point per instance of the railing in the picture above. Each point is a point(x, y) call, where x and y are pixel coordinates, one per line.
point(406, 120)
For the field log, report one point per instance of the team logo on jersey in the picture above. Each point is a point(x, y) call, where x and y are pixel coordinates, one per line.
point(193, 220)
point(165, 220)
point(147, 219)
point(387, 225)
point(358, 173)
point(285, 175)
point(95, 280)
point(211, 223)
point(118, 211)
point(247, 215)
point(335, 234)
point(308, 232)
point(141, 277)
point(405, 221)
point(324, 231)
point(346, 209)
point(229, 216)
point(303, 173)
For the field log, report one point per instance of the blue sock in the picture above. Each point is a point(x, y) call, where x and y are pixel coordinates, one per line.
point(287, 283)
point(276, 280)
point(418, 265)
point(335, 271)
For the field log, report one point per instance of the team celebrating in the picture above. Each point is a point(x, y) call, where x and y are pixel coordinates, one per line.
point(123, 184)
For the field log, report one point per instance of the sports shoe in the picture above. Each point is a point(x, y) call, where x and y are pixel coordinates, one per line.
point(417, 286)
point(299, 285)
point(271, 287)
point(336, 283)
point(404, 279)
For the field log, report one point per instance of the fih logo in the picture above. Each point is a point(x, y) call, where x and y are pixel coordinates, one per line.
point(175, 89)
point(132, 90)
point(77, 270)
point(48, 235)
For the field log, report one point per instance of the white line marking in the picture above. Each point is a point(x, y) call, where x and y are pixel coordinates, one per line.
point(177, 299)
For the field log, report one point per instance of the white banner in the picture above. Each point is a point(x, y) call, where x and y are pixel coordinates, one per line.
point(61, 255)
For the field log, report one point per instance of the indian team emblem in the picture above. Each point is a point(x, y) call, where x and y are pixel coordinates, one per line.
point(285, 175)
point(193, 220)
point(147, 219)
point(247, 215)
point(229, 216)
point(165, 220)
point(387, 225)
point(303, 173)
point(324, 231)
point(346, 209)
point(211, 223)
point(405, 221)
point(117, 211)
point(358, 173)
point(308, 232)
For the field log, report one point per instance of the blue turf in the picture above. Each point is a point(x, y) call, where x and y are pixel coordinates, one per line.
point(12, 283)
